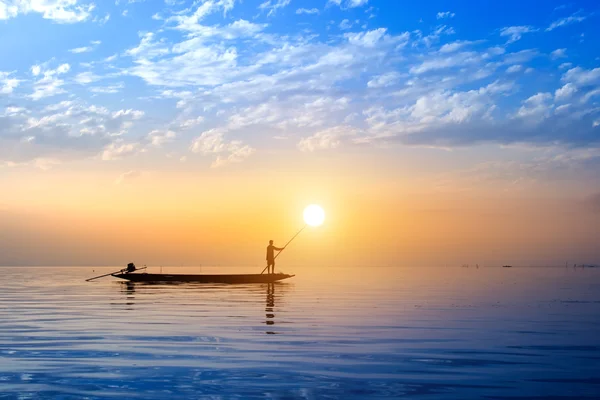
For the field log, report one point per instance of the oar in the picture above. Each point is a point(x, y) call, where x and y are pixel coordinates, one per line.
point(290, 241)
point(112, 273)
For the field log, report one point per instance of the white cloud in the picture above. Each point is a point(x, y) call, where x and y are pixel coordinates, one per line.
point(368, 38)
point(516, 32)
point(582, 77)
point(119, 149)
point(457, 45)
point(514, 68)
point(449, 61)
point(157, 137)
point(565, 92)
point(307, 11)
point(384, 80)
point(566, 21)
point(445, 14)
point(49, 84)
point(565, 65)
point(83, 78)
point(326, 139)
point(558, 53)
point(203, 10)
point(60, 11)
point(108, 89)
point(348, 3)
point(345, 24)
point(190, 123)
point(86, 49)
point(7, 84)
point(273, 6)
point(213, 142)
point(536, 107)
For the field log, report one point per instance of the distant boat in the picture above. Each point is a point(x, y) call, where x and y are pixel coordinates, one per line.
point(507, 266)
point(227, 278)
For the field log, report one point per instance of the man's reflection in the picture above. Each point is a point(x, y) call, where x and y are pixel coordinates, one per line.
point(269, 307)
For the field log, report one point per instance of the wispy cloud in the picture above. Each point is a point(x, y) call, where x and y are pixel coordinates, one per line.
point(310, 11)
point(227, 151)
point(515, 33)
point(273, 5)
point(572, 19)
point(61, 11)
point(86, 49)
point(445, 14)
point(127, 177)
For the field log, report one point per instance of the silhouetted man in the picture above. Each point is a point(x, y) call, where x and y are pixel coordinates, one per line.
point(271, 256)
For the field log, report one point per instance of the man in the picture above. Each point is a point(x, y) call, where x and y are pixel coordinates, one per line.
point(271, 256)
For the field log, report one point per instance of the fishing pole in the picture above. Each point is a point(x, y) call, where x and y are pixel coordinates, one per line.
point(290, 241)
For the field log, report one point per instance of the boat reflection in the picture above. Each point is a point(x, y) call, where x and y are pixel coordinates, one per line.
point(139, 292)
point(129, 289)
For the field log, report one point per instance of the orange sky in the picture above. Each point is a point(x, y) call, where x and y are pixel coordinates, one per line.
point(186, 215)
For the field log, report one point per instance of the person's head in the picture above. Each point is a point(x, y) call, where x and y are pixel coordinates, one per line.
point(270, 242)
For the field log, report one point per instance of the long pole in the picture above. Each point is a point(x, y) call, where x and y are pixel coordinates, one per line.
point(286, 245)
point(111, 273)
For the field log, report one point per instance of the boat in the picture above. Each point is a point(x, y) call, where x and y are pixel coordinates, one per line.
point(226, 278)
point(507, 266)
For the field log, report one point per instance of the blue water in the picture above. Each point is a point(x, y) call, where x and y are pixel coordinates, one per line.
point(328, 333)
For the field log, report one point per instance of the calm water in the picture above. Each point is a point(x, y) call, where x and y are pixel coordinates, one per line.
point(334, 333)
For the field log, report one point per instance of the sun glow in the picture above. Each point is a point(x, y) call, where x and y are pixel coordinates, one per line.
point(314, 215)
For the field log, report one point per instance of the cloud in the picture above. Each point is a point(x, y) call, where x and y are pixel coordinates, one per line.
point(64, 131)
point(311, 11)
point(572, 19)
point(119, 149)
point(445, 14)
point(345, 24)
point(458, 45)
point(227, 151)
point(565, 92)
point(7, 83)
point(516, 32)
point(86, 49)
point(384, 80)
point(127, 177)
point(50, 84)
point(60, 11)
point(157, 138)
point(108, 89)
point(273, 6)
point(558, 53)
point(348, 3)
point(326, 139)
point(367, 38)
point(190, 123)
point(582, 77)
point(514, 68)
point(84, 78)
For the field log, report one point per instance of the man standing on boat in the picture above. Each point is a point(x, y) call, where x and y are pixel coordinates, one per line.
point(271, 256)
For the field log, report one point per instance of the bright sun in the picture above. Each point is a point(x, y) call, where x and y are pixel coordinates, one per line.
point(314, 215)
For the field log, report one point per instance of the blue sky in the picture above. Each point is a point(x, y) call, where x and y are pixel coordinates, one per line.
point(474, 125)
point(222, 78)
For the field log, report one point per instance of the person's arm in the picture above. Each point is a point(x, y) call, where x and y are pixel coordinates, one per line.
point(278, 248)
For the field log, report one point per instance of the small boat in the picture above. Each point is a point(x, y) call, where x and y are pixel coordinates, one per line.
point(507, 266)
point(227, 278)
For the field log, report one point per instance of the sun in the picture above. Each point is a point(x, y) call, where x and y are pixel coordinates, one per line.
point(314, 215)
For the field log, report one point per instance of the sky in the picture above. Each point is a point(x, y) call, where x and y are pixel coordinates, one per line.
point(192, 132)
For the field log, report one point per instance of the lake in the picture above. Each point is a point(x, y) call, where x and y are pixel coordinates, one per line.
point(327, 333)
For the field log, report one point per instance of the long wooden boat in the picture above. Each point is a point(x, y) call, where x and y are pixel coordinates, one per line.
point(227, 278)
